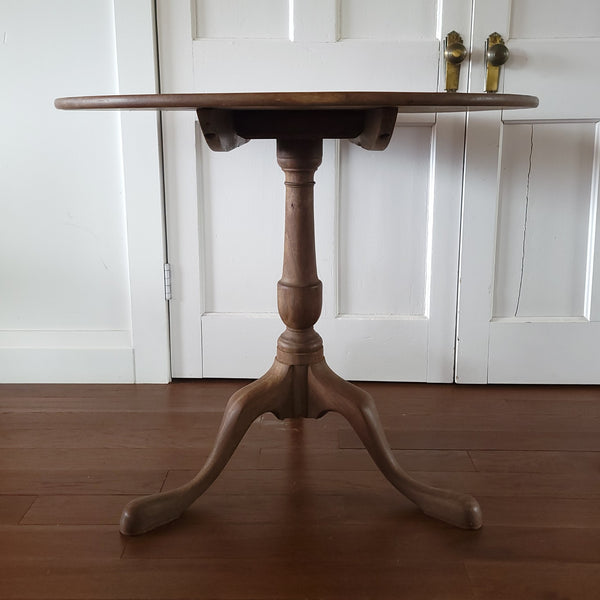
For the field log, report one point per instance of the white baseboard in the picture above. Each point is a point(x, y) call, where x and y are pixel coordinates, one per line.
point(66, 357)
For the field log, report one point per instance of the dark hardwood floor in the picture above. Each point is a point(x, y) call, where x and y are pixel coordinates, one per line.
point(300, 512)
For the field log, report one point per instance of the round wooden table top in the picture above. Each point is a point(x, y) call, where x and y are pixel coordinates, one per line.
point(406, 102)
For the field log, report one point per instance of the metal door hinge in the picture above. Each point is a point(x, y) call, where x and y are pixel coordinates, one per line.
point(167, 278)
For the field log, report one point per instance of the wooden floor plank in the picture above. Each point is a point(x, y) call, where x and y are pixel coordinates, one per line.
point(536, 462)
point(366, 543)
point(218, 579)
point(108, 420)
point(350, 507)
point(107, 438)
point(80, 481)
point(271, 482)
point(168, 437)
point(542, 485)
point(206, 389)
point(510, 580)
point(359, 460)
point(483, 440)
point(510, 422)
point(129, 459)
point(391, 398)
point(484, 400)
point(554, 485)
point(13, 508)
point(541, 512)
point(106, 509)
point(102, 509)
point(69, 543)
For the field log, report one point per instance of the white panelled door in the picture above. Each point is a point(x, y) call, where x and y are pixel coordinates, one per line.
point(529, 307)
point(387, 224)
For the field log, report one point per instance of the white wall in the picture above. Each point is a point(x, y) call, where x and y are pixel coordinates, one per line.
point(65, 263)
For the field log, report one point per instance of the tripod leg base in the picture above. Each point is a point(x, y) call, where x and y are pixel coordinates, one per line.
point(329, 392)
point(270, 393)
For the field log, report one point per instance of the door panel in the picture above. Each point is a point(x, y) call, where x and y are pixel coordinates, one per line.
point(543, 220)
point(243, 220)
point(560, 19)
point(246, 46)
point(387, 224)
point(527, 297)
point(383, 226)
point(384, 20)
point(231, 19)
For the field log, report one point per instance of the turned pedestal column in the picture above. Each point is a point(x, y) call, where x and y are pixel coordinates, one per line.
point(299, 291)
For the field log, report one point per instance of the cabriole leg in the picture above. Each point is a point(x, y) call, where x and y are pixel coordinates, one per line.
point(329, 392)
point(270, 393)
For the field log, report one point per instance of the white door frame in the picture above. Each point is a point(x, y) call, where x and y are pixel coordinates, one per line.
point(142, 184)
point(179, 135)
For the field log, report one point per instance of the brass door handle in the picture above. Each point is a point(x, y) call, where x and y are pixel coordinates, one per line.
point(496, 54)
point(454, 54)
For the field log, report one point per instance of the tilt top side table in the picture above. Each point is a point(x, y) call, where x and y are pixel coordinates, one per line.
point(300, 384)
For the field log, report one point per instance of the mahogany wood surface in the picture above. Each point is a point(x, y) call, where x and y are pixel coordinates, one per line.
point(404, 101)
point(300, 384)
point(295, 514)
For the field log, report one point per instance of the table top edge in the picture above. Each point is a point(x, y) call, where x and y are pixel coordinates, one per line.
point(404, 101)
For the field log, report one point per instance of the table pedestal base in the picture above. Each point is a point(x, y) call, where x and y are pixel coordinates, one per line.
point(299, 384)
point(291, 391)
